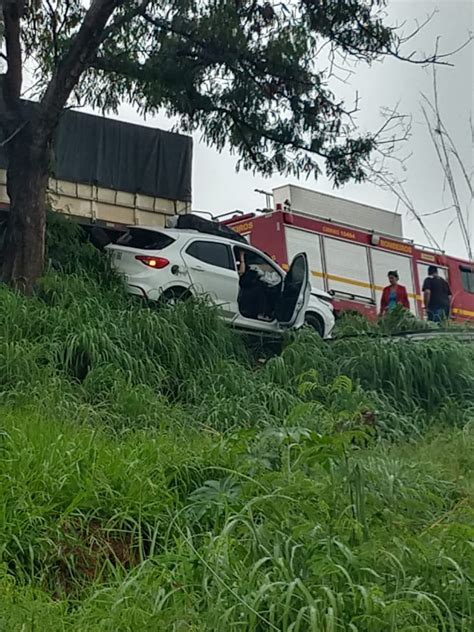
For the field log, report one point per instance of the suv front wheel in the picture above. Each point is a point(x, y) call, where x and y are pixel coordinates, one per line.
point(315, 322)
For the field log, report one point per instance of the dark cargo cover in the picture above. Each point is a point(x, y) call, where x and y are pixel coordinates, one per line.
point(121, 156)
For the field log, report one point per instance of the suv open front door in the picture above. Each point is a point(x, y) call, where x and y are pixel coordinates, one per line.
point(291, 306)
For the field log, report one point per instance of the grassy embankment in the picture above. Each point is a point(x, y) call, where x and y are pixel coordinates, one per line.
point(155, 477)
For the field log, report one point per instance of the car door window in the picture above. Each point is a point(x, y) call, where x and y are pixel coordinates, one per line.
point(213, 253)
point(253, 260)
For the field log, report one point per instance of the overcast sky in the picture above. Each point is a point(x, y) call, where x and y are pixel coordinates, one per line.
point(218, 188)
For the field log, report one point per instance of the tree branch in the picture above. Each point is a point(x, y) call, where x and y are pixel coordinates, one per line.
point(442, 151)
point(12, 135)
point(54, 25)
point(124, 19)
point(83, 47)
point(67, 8)
point(453, 148)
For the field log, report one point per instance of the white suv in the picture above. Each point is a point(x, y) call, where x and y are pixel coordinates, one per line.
point(161, 264)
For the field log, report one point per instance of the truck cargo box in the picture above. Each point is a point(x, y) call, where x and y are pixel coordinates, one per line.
point(112, 172)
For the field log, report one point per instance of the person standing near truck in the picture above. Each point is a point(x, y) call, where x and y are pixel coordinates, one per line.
point(393, 294)
point(437, 296)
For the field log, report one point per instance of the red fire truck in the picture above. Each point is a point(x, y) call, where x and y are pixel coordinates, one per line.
point(352, 263)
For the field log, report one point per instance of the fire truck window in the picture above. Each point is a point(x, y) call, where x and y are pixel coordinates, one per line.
point(467, 279)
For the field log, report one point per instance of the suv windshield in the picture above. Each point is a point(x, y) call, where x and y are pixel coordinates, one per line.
point(144, 239)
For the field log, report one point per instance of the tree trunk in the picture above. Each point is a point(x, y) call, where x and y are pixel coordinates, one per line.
point(27, 182)
point(29, 139)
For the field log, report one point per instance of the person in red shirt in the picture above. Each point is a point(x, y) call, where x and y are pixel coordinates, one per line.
point(393, 295)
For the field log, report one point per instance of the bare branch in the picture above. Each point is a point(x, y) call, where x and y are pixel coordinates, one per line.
point(462, 167)
point(419, 27)
point(437, 212)
point(12, 136)
point(435, 58)
point(447, 230)
point(453, 149)
point(443, 153)
point(387, 181)
point(382, 176)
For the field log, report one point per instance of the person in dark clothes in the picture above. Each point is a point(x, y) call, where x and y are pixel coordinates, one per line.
point(393, 294)
point(251, 299)
point(437, 296)
point(258, 283)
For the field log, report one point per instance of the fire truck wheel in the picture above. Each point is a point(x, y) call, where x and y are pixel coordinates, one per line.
point(315, 322)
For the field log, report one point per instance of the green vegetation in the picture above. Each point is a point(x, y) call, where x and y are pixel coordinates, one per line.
point(157, 476)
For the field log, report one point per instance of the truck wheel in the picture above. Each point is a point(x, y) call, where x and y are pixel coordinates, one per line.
point(316, 323)
point(174, 295)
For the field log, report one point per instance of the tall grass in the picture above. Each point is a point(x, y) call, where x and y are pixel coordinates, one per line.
point(410, 373)
point(107, 350)
point(157, 475)
point(282, 530)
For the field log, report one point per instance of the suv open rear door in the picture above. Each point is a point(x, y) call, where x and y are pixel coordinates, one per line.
point(291, 306)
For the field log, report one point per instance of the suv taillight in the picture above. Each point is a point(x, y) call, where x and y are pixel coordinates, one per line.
point(152, 262)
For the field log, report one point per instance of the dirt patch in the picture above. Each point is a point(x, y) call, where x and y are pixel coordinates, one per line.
point(88, 551)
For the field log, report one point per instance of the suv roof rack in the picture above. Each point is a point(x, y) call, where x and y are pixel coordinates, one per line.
point(206, 226)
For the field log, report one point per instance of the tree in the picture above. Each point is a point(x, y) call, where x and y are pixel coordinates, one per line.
point(245, 72)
